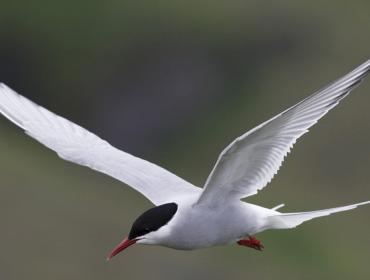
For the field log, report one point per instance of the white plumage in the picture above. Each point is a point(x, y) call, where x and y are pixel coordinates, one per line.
point(214, 215)
point(250, 162)
point(74, 143)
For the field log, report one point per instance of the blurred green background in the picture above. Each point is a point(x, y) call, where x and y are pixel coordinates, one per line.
point(174, 82)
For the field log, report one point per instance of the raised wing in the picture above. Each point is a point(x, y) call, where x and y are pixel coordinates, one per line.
point(250, 162)
point(76, 144)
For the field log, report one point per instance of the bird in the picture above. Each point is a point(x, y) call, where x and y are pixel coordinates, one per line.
point(184, 216)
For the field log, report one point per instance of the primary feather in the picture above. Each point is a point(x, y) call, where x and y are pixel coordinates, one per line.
point(74, 143)
point(250, 162)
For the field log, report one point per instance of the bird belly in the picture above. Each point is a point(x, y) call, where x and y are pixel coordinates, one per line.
point(196, 228)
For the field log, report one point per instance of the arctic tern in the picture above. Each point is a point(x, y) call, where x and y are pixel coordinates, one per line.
point(185, 216)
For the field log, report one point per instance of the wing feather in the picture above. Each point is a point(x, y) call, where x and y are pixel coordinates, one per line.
point(250, 162)
point(74, 143)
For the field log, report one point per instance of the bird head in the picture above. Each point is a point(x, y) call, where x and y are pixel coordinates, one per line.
point(145, 225)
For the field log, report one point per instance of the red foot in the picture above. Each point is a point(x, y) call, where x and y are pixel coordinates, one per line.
point(251, 242)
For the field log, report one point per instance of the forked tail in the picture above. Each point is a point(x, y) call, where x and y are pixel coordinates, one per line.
point(291, 220)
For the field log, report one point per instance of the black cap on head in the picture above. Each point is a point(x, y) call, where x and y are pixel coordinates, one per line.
point(153, 219)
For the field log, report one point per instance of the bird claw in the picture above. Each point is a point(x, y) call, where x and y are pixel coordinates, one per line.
point(251, 242)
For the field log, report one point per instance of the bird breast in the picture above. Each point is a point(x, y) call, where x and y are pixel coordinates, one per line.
point(195, 227)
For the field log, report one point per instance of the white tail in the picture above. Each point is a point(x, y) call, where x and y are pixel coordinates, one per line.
point(278, 206)
point(291, 220)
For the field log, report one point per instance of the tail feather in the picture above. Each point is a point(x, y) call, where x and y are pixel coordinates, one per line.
point(291, 220)
point(278, 206)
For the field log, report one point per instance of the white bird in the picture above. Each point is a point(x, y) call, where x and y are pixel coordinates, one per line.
point(187, 217)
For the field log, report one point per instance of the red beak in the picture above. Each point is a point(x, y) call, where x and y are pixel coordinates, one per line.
point(122, 246)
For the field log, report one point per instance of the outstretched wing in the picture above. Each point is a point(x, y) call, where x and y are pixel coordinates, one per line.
point(250, 162)
point(76, 144)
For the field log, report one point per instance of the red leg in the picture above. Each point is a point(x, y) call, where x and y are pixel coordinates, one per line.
point(251, 242)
